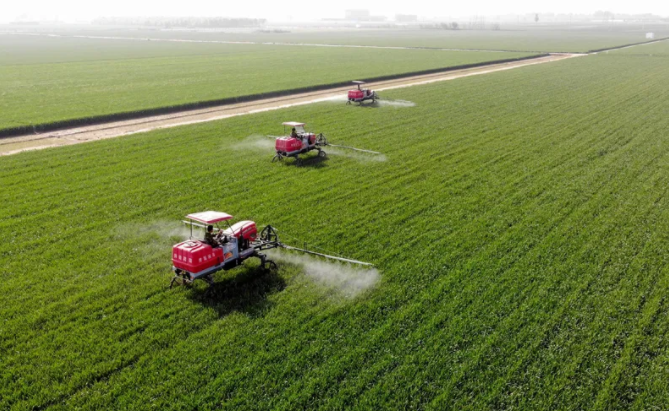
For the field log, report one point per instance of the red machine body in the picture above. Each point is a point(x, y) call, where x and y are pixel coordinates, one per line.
point(298, 142)
point(246, 230)
point(356, 95)
point(195, 256)
point(288, 145)
point(361, 94)
point(194, 259)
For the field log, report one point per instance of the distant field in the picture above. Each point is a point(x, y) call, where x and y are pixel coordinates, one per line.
point(519, 223)
point(27, 50)
point(533, 38)
point(46, 79)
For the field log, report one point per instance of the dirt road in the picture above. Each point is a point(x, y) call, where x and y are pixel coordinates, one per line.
point(77, 135)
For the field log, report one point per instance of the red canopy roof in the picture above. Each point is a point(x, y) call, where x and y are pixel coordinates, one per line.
point(209, 217)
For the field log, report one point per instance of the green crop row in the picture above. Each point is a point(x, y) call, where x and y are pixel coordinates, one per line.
point(518, 223)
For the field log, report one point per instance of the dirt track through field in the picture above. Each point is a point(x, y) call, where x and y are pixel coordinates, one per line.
point(83, 134)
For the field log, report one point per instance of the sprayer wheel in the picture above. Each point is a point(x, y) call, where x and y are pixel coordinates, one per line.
point(175, 280)
point(271, 266)
point(321, 153)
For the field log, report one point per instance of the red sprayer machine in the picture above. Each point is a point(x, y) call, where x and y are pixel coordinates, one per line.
point(226, 247)
point(361, 94)
point(296, 140)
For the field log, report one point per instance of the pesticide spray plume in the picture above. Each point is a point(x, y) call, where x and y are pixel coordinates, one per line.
point(379, 103)
point(346, 278)
point(336, 99)
point(396, 103)
point(254, 142)
point(162, 229)
point(150, 239)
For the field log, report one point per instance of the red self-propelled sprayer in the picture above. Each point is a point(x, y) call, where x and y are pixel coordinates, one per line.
point(300, 141)
point(226, 247)
point(361, 94)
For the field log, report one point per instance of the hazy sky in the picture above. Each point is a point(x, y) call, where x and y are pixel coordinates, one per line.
point(303, 9)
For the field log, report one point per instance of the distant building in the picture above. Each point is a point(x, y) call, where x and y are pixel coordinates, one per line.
point(650, 36)
point(361, 15)
point(406, 18)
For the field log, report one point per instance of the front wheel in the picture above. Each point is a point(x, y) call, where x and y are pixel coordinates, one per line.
point(269, 234)
point(270, 266)
point(180, 278)
point(176, 280)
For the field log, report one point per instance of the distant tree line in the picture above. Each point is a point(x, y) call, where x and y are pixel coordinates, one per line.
point(441, 26)
point(181, 22)
point(475, 25)
point(273, 31)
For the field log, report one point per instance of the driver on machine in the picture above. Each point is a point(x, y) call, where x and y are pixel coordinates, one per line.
point(293, 133)
point(211, 239)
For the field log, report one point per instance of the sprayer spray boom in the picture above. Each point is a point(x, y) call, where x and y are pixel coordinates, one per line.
point(330, 257)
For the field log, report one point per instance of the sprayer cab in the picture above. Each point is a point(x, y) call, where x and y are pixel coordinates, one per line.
point(361, 94)
point(289, 125)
